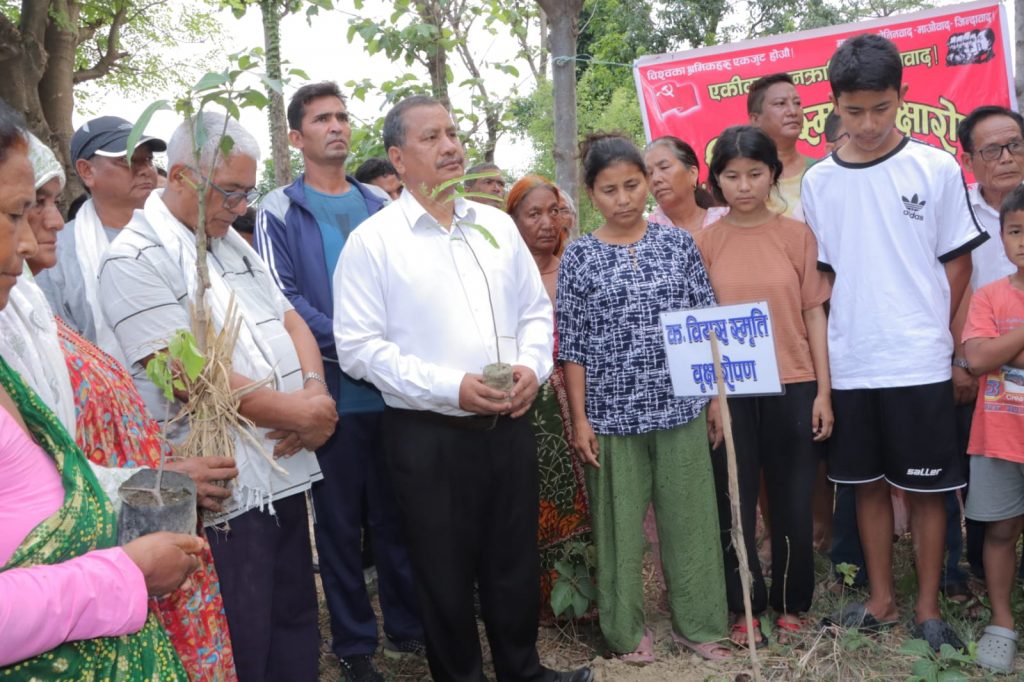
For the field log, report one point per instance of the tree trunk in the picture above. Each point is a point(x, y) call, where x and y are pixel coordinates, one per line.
point(1018, 20)
point(562, 18)
point(437, 60)
point(276, 120)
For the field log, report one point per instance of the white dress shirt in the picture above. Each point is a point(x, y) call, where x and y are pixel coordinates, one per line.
point(989, 260)
point(411, 309)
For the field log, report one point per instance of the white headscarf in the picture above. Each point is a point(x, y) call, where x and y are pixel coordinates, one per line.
point(28, 333)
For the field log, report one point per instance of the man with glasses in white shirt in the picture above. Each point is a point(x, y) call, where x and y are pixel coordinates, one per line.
point(428, 291)
point(147, 288)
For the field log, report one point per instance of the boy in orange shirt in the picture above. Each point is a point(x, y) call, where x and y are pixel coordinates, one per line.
point(994, 349)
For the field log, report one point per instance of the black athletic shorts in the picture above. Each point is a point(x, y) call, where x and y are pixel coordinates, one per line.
point(906, 435)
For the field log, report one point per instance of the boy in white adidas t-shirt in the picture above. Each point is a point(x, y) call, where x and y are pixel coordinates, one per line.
point(894, 226)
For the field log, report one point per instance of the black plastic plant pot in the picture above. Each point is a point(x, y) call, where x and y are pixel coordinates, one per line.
point(142, 513)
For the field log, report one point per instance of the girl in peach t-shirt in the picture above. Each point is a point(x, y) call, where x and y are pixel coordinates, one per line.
point(755, 254)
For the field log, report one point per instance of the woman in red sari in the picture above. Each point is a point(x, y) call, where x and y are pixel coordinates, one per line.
point(564, 529)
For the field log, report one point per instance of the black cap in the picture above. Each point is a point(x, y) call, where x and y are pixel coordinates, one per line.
point(107, 136)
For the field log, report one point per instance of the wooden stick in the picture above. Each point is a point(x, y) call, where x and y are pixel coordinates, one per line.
point(734, 503)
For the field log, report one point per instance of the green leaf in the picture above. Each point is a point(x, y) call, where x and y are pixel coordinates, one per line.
point(947, 652)
point(564, 568)
point(183, 348)
point(579, 604)
point(140, 125)
point(199, 132)
point(952, 676)
point(254, 98)
point(926, 668)
point(211, 80)
point(916, 647)
point(561, 597)
point(484, 232)
point(226, 145)
point(587, 589)
point(271, 83)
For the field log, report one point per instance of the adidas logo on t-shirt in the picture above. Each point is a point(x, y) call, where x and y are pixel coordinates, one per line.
point(913, 207)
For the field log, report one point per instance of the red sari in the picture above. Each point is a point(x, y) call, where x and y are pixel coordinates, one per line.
point(113, 430)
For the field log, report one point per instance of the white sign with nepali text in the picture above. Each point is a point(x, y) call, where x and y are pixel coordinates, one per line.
point(745, 343)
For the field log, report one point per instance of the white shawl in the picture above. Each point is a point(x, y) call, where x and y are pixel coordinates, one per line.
point(90, 244)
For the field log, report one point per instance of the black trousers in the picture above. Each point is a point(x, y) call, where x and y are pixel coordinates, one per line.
point(772, 434)
point(468, 500)
point(265, 566)
point(354, 473)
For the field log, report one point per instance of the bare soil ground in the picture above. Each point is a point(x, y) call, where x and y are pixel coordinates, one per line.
point(818, 655)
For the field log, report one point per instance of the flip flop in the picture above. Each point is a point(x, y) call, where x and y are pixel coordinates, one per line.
point(709, 651)
point(997, 649)
point(855, 615)
point(644, 652)
point(740, 628)
point(789, 632)
point(936, 632)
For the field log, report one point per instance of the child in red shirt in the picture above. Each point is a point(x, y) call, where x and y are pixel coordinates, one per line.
point(994, 349)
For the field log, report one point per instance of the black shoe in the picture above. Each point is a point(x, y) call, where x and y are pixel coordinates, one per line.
point(360, 668)
point(579, 675)
point(401, 648)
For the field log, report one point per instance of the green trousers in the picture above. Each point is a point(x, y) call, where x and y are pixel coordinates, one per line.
point(672, 468)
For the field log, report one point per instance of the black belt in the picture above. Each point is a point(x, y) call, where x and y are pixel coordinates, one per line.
point(473, 422)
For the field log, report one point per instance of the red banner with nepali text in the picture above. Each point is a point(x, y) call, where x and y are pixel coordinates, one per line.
point(955, 58)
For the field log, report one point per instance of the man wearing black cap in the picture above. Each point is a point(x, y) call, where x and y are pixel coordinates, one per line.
point(117, 186)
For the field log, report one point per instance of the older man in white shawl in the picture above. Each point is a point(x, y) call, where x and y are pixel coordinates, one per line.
point(147, 283)
point(118, 186)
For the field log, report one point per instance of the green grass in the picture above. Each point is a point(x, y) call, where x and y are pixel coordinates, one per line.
point(818, 655)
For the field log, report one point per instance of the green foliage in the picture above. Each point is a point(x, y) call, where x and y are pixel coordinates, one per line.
point(429, 34)
point(146, 42)
point(948, 665)
point(574, 592)
point(266, 182)
point(848, 571)
point(182, 357)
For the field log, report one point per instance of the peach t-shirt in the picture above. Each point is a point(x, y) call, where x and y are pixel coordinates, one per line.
point(776, 262)
point(997, 429)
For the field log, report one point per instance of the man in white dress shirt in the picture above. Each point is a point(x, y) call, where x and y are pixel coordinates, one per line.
point(428, 291)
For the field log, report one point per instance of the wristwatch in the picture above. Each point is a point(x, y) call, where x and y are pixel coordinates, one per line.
point(961, 363)
point(313, 376)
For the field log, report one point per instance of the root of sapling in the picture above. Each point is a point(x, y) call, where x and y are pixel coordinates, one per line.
point(212, 407)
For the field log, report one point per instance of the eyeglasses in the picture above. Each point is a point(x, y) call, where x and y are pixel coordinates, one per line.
point(233, 199)
point(994, 152)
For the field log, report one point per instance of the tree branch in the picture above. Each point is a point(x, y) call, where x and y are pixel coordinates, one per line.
point(111, 56)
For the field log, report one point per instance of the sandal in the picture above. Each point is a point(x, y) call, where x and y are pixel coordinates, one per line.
point(855, 615)
point(789, 632)
point(709, 651)
point(997, 649)
point(936, 632)
point(644, 652)
point(738, 634)
point(966, 601)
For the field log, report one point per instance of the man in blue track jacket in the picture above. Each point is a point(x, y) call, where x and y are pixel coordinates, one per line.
point(300, 232)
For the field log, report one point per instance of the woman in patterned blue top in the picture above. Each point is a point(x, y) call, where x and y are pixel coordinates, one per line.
point(641, 443)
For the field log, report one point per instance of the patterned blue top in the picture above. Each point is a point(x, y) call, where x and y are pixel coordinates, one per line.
point(608, 302)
